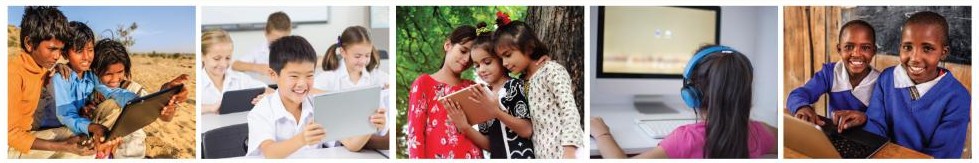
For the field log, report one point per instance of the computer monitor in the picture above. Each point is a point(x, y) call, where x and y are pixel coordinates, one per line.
point(652, 41)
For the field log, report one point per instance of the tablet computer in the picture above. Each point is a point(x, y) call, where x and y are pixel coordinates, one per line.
point(141, 111)
point(239, 100)
point(346, 113)
point(475, 114)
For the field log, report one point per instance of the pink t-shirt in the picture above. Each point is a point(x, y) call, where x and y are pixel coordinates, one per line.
point(687, 141)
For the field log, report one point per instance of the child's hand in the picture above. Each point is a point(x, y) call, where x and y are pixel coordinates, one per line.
point(98, 133)
point(106, 148)
point(807, 114)
point(313, 133)
point(178, 81)
point(455, 115)
point(598, 127)
point(487, 100)
point(71, 145)
point(88, 109)
point(379, 118)
point(846, 119)
point(166, 115)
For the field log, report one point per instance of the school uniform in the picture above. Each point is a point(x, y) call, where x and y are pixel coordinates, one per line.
point(834, 80)
point(269, 120)
point(233, 80)
point(339, 79)
point(930, 117)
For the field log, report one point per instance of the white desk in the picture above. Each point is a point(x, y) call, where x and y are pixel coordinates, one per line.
point(214, 121)
point(621, 120)
point(335, 153)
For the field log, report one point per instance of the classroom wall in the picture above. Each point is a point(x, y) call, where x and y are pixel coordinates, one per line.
point(751, 30)
point(321, 36)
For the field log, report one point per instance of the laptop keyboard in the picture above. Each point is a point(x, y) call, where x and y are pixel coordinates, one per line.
point(849, 148)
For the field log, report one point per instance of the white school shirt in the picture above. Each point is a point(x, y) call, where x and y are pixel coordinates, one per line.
point(339, 79)
point(259, 56)
point(233, 80)
point(841, 82)
point(269, 120)
point(902, 80)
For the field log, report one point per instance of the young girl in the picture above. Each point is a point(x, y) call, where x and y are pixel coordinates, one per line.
point(849, 82)
point(508, 135)
point(717, 84)
point(352, 63)
point(918, 104)
point(430, 134)
point(557, 131)
point(216, 49)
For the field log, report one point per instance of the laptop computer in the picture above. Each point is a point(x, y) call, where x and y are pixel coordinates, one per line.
point(825, 142)
point(239, 100)
point(346, 113)
point(141, 112)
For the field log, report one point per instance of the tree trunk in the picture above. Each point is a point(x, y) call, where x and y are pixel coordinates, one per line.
point(562, 30)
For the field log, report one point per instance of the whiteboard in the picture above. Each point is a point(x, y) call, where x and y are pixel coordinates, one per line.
point(248, 17)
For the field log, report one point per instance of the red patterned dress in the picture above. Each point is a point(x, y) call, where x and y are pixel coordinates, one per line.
point(429, 134)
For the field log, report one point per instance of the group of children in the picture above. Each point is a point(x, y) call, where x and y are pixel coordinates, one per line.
point(55, 109)
point(534, 115)
point(281, 122)
point(917, 104)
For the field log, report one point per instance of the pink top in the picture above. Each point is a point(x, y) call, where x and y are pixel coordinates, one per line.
point(687, 141)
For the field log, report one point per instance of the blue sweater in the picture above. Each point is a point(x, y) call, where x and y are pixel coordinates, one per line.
point(820, 84)
point(934, 124)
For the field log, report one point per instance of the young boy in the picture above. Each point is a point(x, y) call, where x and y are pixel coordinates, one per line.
point(42, 35)
point(848, 82)
point(916, 103)
point(256, 64)
point(281, 123)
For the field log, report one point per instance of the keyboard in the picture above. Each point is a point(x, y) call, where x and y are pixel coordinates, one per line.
point(659, 129)
point(849, 148)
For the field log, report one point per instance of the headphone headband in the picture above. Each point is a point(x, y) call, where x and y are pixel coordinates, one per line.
point(700, 55)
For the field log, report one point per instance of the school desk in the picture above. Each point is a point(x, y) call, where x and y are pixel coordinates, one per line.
point(890, 150)
point(621, 120)
point(337, 152)
point(214, 121)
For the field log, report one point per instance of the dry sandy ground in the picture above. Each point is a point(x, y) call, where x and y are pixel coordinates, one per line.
point(174, 139)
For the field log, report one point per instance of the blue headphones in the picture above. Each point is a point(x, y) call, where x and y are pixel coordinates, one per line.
point(691, 96)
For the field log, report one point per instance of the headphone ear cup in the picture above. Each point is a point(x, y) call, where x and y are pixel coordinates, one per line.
point(690, 96)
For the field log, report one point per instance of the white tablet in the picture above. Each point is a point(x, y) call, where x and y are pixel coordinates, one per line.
point(346, 113)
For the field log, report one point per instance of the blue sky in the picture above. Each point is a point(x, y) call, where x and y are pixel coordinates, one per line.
point(169, 29)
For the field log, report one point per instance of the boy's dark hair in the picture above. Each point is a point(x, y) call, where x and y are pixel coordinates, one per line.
point(109, 52)
point(724, 80)
point(278, 21)
point(80, 35)
point(290, 49)
point(42, 23)
point(519, 35)
point(929, 18)
point(858, 23)
point(350, 36)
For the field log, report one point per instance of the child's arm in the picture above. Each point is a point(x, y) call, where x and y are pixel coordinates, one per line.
point(417, 121)
point(457, 117)
point(809, 93)
point(949, 137)
point(249, 67)
point(610, 149)
point(67, 111)
point(571, 131)
point(877, 111)
point(262, 137)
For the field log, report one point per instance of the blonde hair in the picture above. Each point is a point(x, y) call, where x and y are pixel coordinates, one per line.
point(212, 37)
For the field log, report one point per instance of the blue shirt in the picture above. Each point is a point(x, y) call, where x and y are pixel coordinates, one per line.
point(826, 82)
point(71, 94)
point(934, 124)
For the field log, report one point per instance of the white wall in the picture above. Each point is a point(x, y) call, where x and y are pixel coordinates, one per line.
point(321, 36)
point(750, 30)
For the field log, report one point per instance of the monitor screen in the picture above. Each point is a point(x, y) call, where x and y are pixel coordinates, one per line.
point(652, 42)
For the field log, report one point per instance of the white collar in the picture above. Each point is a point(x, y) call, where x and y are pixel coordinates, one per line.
point(229, 77)
point(863, 90)
point(279, 111)
point(345, 75)
point(902, 80)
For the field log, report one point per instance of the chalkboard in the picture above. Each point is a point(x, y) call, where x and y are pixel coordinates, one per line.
point(888, 20)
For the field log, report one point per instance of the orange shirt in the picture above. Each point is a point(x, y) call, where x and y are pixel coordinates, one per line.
point(24, 83)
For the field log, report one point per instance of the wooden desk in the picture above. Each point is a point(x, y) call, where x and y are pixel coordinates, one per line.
point(890, 150)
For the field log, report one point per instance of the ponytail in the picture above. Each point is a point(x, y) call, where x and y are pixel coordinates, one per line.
point(351, 35)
